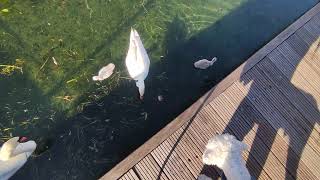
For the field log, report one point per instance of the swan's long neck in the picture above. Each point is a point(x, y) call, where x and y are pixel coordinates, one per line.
point(8, 148)
point(141, 87)
point(213, 60)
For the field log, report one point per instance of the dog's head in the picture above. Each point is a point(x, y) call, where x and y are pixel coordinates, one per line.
point(220, 148)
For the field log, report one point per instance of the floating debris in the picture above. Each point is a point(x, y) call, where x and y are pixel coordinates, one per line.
point(72, 80)
point(145, 114)
point(104, 72)
point(5, 10)
point(7, 69)
point(160, 98)
point(55, 61)
point(66, 98)
point(204, 63)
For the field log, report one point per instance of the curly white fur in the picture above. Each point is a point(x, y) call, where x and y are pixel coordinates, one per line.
point(203, 177)
point(225, 151)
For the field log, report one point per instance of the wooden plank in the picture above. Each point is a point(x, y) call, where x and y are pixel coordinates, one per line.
point(215, 124)
point(190, 153)
point(199, 141)
point(272, 115)
point(312, 29)
point(208, 114)
point(130, 175)
point(247, 134)
point(304, 51)
point(301, 66)
point(169, 169)
point(312, 57)
point(317, 18)
point(170, 161)
point(314, 25)
point(183, 153)
point(156, 168)
point(299, 46)
point(145, 171)
point(295, 77)
point(149, 169)
point(293, 94)
point(142, 151)
point(306, 36)
point(286, 109)
point(210, 171)
point(266, 132)
point(177, 161)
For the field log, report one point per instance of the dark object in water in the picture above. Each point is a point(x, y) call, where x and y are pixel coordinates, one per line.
point(43, 146)
point(160, 98)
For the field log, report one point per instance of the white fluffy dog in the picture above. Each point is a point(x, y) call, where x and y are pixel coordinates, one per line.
point(225, 151)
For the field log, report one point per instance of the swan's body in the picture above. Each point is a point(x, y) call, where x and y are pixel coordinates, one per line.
point(104, 72)
point(137, 61)
point(204, 63)
point(13, 155)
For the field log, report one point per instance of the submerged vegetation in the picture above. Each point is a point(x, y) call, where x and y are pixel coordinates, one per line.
point(9, 69)
point(61, 56)
point(4, 4)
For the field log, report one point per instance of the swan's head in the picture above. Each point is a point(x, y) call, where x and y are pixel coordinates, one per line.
point(96, 78)
point(141, 87)
point(9, 146)
point(22, 139)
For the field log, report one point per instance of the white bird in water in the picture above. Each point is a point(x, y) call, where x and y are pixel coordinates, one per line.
point(14, 154)
point(104, 72)
point(137, 61)
point(204, 63)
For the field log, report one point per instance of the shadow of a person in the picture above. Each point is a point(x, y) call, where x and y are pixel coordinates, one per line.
point(272, 84)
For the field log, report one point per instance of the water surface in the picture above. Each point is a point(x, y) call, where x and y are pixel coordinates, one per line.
point(84, 128)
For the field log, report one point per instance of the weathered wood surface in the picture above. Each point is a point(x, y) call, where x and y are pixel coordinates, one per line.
point(271, 102)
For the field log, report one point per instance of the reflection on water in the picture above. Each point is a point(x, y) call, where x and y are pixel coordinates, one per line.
point(83, 128)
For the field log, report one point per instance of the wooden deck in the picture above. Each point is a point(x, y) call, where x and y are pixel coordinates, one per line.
point(271, 102)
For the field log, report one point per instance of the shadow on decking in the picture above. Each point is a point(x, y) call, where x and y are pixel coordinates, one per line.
point(299, 123)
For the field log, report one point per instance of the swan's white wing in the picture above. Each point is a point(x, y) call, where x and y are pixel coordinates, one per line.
point(137, 60)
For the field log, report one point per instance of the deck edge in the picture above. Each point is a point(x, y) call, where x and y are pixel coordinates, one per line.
point(136, 156)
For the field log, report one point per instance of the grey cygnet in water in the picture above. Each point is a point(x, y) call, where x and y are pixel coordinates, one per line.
point(104, 72)
point(204, 63)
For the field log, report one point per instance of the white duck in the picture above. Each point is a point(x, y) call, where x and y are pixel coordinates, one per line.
point(14, 154)
point(204, 63)
point(137, 61)
point(104, 72)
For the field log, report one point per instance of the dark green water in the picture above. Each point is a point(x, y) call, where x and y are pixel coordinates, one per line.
point(101, 123)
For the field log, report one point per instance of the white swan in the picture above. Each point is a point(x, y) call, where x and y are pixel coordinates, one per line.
point(13, 155)
point(204, 63)
point(104, 72)
point(137, 61)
